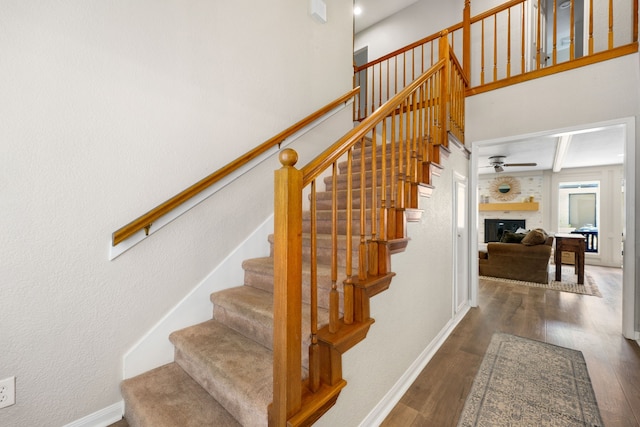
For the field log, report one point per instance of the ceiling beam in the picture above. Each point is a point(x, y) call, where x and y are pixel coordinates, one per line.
point(564, 141)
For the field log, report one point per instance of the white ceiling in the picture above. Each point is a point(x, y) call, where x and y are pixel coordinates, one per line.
point(590, 147)
point(374, 11)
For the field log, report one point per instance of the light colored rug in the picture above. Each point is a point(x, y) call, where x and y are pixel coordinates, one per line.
point(569, 282)
point(522, 382)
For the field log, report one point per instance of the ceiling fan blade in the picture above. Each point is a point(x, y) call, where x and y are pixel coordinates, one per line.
point(520, 164)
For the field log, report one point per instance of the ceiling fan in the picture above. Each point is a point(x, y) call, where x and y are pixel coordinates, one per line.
point(498, 164)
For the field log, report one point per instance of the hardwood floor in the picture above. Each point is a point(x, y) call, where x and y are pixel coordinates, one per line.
point(586, 323)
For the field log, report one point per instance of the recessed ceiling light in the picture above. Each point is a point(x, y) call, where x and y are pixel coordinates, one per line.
point(357, 10)
point(565, 4)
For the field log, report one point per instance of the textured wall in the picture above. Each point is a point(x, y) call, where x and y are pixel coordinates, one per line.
point(109, 108)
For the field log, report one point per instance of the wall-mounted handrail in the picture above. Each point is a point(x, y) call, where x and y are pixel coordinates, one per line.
point(145, 221)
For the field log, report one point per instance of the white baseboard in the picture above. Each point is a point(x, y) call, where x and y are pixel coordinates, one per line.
point(393, 396)
point(102, 418)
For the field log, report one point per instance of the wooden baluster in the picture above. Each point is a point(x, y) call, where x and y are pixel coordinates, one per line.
point(466, 41)
point(431, 65)
point(334, 297)
point(380, 84)
point(482, 55)
point(495, 48)
point(388, 94)
point(373, 244)
point(407, 152)
point(373, 90)
point(287, 298)
point(422, 70)
point(413, 64)
point(635, 19)
point(522, 42)
point(572, 32)
point(538, 36)
point(395, 80)
point(420, 137)
point(314, 348)
point(382, 228)
point(444, 90)
point(366, 100)
point(509, 43)
point(348, 284)
point(401, 128)
point(555, 32)
point(391, 226)
point(362, 254)
point(433, 116)
point(591, 26)
point(610, 22)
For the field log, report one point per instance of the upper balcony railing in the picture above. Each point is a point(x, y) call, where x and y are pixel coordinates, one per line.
point(511, 43)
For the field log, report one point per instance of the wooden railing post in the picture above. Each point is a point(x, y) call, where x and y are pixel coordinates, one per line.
point(466, 40)
point(444, 88)
point(287, 298)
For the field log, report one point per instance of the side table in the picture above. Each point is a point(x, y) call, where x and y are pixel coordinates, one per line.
point(566, 242)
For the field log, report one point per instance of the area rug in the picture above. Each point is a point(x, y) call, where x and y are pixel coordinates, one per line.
point(569, 282)
point(522, 382)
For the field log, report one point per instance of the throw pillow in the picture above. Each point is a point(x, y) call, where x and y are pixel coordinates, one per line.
point(535, 237)
point(509, 237)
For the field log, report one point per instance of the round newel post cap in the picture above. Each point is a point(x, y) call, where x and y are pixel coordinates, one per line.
point(288, 157)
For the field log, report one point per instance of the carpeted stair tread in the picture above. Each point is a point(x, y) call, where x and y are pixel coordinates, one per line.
point(249, 311)
point(262, 270)
point(235, 370)
point(168, 397)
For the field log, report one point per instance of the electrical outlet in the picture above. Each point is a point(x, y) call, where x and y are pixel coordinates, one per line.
point(7, 392)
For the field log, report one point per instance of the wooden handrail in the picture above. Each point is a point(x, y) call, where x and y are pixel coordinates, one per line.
point(145, 221)
point(431, 38)
point(495, 10)
point(333, 153)
point(394, 145)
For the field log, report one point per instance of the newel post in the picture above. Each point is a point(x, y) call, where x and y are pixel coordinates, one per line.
point(444, 87)
point(287, 298)
point(466, 40)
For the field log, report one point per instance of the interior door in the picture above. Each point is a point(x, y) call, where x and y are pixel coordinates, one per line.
point(461, 245)
point(360, 57)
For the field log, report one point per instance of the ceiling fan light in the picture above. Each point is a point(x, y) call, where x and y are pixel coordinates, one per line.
point(498, 168)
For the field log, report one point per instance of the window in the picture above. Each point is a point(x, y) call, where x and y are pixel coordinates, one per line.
point(579, 210)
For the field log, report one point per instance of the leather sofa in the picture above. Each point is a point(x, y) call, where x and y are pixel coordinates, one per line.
point(517, 261)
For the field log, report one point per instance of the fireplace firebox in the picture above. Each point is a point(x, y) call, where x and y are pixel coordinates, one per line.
point(494, 228)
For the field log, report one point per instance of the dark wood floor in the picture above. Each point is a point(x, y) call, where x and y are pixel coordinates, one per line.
point(586, 323)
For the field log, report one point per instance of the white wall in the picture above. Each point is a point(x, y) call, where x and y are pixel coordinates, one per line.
point(600, 93)
point(109, 108)
point(417, 21)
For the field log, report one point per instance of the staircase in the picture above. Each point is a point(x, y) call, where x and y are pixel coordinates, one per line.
point(223, 368)
point(325, 266)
